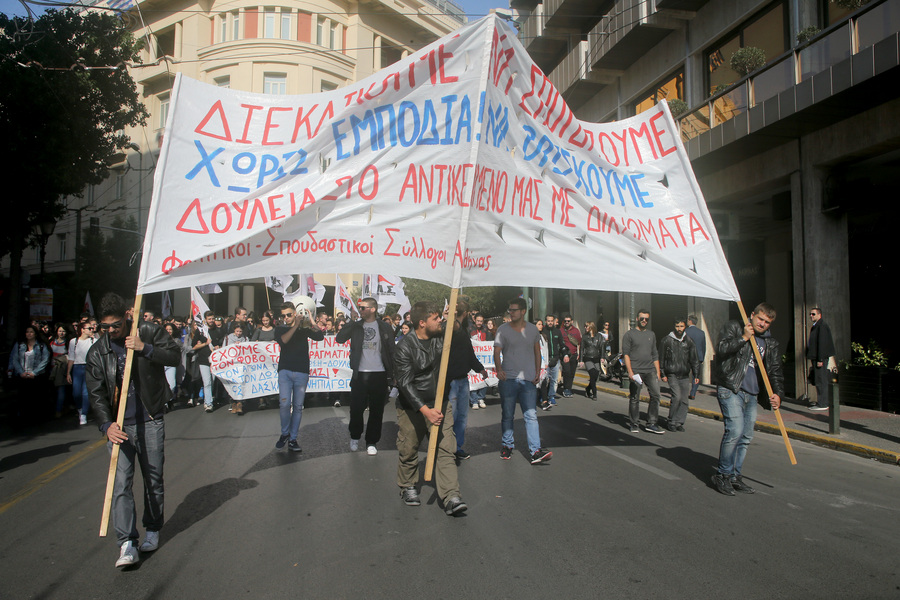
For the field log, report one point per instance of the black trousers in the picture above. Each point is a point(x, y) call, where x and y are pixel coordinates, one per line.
point(367, 390)
point(568, 372)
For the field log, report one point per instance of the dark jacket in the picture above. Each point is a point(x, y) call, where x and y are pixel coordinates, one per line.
point(556, 348)
point(699, 338)
point(148, 374)
point(678, 358)
point(821, 344)
point(733, 357)
point(416, 367)
point(354, 332)
point(591, 348)
point(462, 358)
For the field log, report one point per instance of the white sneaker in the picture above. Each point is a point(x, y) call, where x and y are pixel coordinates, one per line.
point(82, 420)
point(481, 404)
point(354, 445)
point(128, 555)
point(475, 407)
point(151, 542)
point(371, 451)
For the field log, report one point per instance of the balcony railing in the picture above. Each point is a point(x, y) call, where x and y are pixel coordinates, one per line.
point(864, 28)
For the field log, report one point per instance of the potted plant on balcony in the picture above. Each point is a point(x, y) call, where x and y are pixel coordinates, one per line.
point(866, 380)
point(747, 59)
point(807, 33)
point(677, 107)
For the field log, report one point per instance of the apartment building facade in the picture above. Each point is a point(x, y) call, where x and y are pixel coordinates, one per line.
point(797, 159)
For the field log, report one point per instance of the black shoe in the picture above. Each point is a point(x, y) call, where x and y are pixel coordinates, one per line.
point(410, 496)
point(505, 453)
point(672, 428)
point(722, 484)
point(293, 446)
point(455, 506)
point(739, 486)
point(281, 441)
point(635, 428)
point(545, 405)
point(540, 456)
point(680, 428)
point(462, 455)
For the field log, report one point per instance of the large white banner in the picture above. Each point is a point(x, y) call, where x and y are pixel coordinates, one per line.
point(460, 164)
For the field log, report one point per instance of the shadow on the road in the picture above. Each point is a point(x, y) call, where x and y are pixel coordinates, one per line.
point(32, 456)
point(700, 465)
point(204, 501)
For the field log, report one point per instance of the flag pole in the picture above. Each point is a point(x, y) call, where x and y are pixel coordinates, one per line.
point(765, 376)
point(266, 287)
point(442, 383)
point(120, 419)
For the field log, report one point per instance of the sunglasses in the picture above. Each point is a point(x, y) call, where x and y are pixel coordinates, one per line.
point(105, 326)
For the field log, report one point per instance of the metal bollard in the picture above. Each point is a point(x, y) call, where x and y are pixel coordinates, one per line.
point(834, 409)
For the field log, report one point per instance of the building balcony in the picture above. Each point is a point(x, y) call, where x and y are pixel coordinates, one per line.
point(545, 45)
point(848, 68)
point(578, 15)
point(687, 5)
point(629, 31)
point(575, 79)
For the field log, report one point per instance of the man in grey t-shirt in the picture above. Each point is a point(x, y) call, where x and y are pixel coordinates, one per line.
point(372, 361)
point(642, 363)
point(517, 360)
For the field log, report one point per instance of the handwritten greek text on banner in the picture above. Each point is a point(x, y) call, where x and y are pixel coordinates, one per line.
point(460, 164)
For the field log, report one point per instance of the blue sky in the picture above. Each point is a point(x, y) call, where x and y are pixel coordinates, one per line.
point(474, 8)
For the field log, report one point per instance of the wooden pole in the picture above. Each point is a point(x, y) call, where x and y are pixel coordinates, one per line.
point(765, 376)
point(442, 382)
point(266, 287)
point(120, 419)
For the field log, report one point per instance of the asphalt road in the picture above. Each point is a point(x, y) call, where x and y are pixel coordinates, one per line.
point(613, 515)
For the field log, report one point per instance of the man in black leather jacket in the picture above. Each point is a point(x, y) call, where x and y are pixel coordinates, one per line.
point(679, 366)
point(142, 435)
point(740, 387)
point(417, 362)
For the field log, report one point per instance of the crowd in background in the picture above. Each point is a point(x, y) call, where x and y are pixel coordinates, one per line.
point(46, 362)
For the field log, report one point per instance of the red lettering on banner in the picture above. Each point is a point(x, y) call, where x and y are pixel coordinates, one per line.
point(655, 231)
point(695, 227)
point(565, 205)
point(302, 120)
point(387, 251)
point(437, 60)
point(193, 209)
point(500, 59)
point(658, 134)
point(216, 109)
point(269, 125)
point(250, 110)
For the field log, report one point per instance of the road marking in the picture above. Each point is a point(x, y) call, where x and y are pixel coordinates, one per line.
point(638, 463)
point(41, 480)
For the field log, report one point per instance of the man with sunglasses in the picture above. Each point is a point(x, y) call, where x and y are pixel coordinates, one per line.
point(142, 435)
point(572, 339)
point(372, 360)
point(293, 370)
point(642, 362)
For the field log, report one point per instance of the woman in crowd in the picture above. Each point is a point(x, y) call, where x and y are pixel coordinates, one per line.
point(29, 358)
point(404, 331)
point(589, 356)
point(266, 330)
point(236, 336)
point(607, 348)
point(265, 333)
point(201, 346)
point(78, 349)
point(172, 372)
point(60, 370)
point(491, 330)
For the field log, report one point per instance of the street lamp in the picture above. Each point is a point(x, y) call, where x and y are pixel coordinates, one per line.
point(43, 230)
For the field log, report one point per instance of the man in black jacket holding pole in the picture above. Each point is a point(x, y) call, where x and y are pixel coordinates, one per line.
point(740, 387)
point(142, 436)
point(417, 363)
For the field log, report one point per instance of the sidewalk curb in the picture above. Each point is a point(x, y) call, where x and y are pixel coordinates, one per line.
point(885, 456)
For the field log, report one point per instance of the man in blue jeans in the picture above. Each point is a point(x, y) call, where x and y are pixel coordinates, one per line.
point(293, 370)
point(517, 360)
point(740, 387)
point(141, 436)
point(462, 360)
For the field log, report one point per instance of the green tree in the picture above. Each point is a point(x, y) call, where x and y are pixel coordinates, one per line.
point(109, 262)
point(65, 99)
